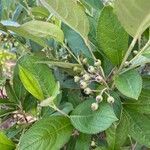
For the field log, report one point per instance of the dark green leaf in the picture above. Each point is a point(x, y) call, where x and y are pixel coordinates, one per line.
point(83, 142)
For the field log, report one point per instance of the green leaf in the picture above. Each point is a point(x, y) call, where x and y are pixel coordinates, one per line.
point(48, 134)
point(40, 11)
point(75, 42)
point(143, 103)
point(129, 84)
point(70, 13)
point(36, 78)
point(146, 53)
point(117, 133)
point(21, 32)
point(38, 31)
point(43, 30)
point(5, 143)
point(94, 3)
point(31, 83)
point(49, 100)
point(92, 122)
point(140, 127)
point(83, 142)
point(18, 87)
point(111, 37)
point(134, 15)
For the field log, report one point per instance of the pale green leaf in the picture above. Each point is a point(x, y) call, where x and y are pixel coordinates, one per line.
point(48, 134)
point(5, 143)
point(111, 36)
point(38, 31)
point(30, 83)
point(70, 13)
point(40, 12)
point(92, 122)
point(44, 30)
point(129, 84)
point(134, 15)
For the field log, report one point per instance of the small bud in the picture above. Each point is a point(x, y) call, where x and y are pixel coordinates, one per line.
point(86, 77)
point(126, 63)
point(77, 69)
point(135, 52)
point(94, 106)
point(76, 79)
point(83, 85)
point(16, 44)
point(110, 99)
point(93, 143)
point(91, 69)
point(97, 63)
point(99, 78)
point(87, 91)
point(84, 61)
point(82, 72)
point(99, 98)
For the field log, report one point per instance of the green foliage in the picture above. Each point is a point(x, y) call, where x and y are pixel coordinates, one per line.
point(129, 84)
point(128, 18)
point(91, 122)
point(70, 13)
point(74, 74)
point(35, 77)
point(49, 133)
point(111, 37)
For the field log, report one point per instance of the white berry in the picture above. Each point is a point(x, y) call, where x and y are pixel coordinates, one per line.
point(110, 99)
point(94, 106)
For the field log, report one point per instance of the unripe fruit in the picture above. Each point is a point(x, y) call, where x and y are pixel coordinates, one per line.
point(76, 79)
point(91, 69)
point(135, 52)
point(94, 106)
point(83, 85)
point(77, 69)
point(87, 91)
point(99, 98)
point(126, 63)
point(93, 144)
point(84, 61)
point(97, 63)
point(99, 78)
point(86, 77)
point(110, 99)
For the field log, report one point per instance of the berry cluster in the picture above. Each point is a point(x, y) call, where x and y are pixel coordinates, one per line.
point(93, 74)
